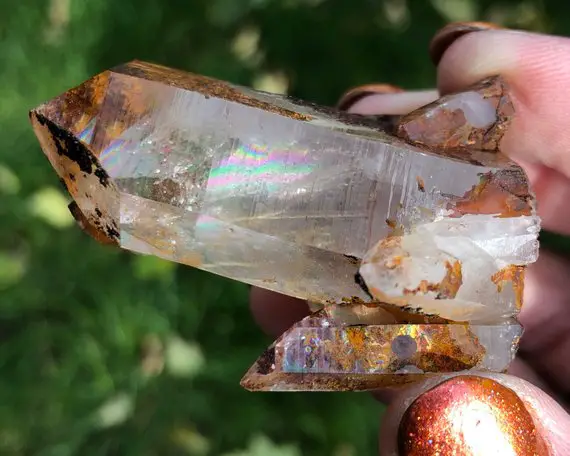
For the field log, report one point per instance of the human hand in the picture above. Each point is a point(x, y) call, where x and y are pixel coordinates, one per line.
point(522, 413)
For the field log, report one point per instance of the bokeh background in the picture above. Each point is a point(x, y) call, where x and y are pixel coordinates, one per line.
point(108, 353)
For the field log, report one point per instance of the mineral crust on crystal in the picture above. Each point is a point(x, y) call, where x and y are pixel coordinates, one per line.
point(411, 234)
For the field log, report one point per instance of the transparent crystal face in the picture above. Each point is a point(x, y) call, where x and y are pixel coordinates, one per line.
point(286, 202)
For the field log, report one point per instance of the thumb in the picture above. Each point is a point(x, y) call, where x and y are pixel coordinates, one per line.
point(537, 68)
point(487, 414)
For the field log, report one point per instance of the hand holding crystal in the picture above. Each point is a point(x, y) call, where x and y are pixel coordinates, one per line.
point(409, 233)
point(537, 67)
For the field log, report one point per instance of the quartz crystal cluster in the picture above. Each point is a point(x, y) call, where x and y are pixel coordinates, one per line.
point(409, 235)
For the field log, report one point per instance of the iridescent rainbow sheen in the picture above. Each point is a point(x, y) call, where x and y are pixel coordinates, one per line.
point(254, 163)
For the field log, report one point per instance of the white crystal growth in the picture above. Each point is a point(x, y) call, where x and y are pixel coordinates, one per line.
point(482, 244)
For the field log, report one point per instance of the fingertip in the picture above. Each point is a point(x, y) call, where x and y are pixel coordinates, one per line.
point(393, 103)
point(524, 58)
point(537, 70)
point(458, 413)
point(450, 33)
point(546, 340)
point(475, 56)
point(352, 96)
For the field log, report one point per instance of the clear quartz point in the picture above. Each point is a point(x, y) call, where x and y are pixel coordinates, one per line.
point(428, 218)
point(322, 353)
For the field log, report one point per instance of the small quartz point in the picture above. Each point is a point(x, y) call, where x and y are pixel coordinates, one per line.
point(473, 121)
point(323, 353)
point(421, 215)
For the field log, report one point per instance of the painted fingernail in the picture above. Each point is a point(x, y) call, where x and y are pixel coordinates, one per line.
point(451, 32)
point(468, 124)
point(358, 93)
point(469, 416)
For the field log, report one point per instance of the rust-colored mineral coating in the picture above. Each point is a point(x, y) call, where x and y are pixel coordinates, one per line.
point(446, 36)
point(363, 348)
point(469, 416)
point(74, 109)
point(280, 381)
point(201, 84)
point(84, 177)
point(467, 125)
point(90, 227)
point(447, 288)
point(511, 274)
point(504, 192)
point(357, 312)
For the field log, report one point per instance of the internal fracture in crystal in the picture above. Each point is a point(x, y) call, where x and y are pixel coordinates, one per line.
point(436, 225)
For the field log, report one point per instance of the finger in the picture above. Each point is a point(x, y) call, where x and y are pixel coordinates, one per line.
point(275, 312)
point(546, 318)
point(486, 414)
point(452, 32)
point(537, 67)
point(522, 369)
point(350, 97)
point(393, 103)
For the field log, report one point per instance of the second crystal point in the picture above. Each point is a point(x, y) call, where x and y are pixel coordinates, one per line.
point(322, 353)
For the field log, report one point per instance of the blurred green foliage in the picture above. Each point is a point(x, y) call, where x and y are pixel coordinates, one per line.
point(108, 353)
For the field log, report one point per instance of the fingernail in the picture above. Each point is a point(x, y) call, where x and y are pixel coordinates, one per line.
point(463, 124)
point(451, 32)
point(358, 93)
point(470, 416)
